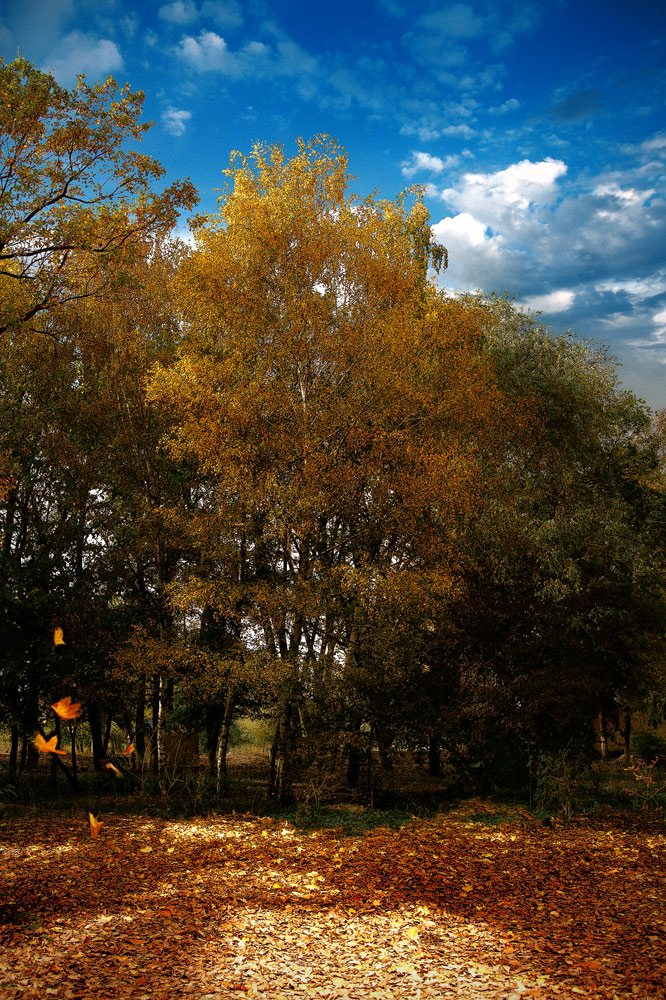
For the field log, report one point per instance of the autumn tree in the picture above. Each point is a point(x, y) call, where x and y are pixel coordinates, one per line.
point(76, 204)
point(87, 540)
point(561, 613)
point(332, 399)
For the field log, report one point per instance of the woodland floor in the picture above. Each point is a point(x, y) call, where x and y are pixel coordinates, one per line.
point(239, 906)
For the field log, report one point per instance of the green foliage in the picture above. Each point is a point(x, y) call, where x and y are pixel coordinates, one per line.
point(648, 745)
point(565, 783)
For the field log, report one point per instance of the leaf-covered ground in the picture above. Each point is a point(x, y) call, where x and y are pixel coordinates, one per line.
point(243, 907)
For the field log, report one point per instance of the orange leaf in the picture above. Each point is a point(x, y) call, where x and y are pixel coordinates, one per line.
point(67, 709)
point(112, 767)
point(95, 824)
point(130, 749)
point(58, 637)
point(48, 746)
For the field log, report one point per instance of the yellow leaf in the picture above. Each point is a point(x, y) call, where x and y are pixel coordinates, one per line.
point(48, 746)
point(58, 637)
point(95, 824)
point(145, 850)
point(412, 932)
point(67, 709)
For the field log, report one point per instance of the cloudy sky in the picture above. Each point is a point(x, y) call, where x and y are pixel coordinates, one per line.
point(539, 128)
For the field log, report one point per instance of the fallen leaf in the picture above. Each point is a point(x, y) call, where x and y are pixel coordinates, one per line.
point(67, 709)
point(48, 746)
point(95, 824)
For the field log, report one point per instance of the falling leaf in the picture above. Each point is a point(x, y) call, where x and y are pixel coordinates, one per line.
point(67, 709)
point(130, 749)
point(58, 637)
point(112, 767)
point(95, 824)
point(48, 746)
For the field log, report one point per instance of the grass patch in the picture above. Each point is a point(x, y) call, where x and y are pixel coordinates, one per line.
point(349, 820)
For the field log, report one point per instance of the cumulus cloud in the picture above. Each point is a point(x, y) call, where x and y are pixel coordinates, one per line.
point(552, 302)
point(507, 197)
point(511, 105)
point(210, 52)
point(427, 132)
point(79, 52)
point(175, 121)
point(424, 161)
point(581, 248)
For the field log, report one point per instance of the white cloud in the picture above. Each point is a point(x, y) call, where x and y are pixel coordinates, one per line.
point(512, 191)
point(79, 52)
point(428, 132)
point(552, 302)
point(178, 12)
point(175, 121)
point(463, 230)
point(424, 161)
point(497, 234)
point(457, 21)
point(208, 52)
point(511, 105)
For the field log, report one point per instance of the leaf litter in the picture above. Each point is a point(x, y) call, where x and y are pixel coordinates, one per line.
point(239, 906)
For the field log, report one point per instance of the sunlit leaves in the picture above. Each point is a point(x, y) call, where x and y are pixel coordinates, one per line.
point(76, 203)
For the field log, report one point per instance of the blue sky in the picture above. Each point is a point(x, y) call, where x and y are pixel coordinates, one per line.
point(539, 128)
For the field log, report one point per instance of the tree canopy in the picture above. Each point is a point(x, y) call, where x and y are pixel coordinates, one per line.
point(282, 472)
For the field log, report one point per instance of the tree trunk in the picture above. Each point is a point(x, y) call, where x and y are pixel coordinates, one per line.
point(213, 729)
point(222, 745)
point(95, 723)
point(162, 726)
point(140, 722)
point(626, 732)
point(434, 757)
point(282, 789)
point(54, 757)
point(107, 734)
point(13, 754)
point(154, 756)
point(353, 766)
point(75, 771)
point(603, 735)
point(384, 744)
